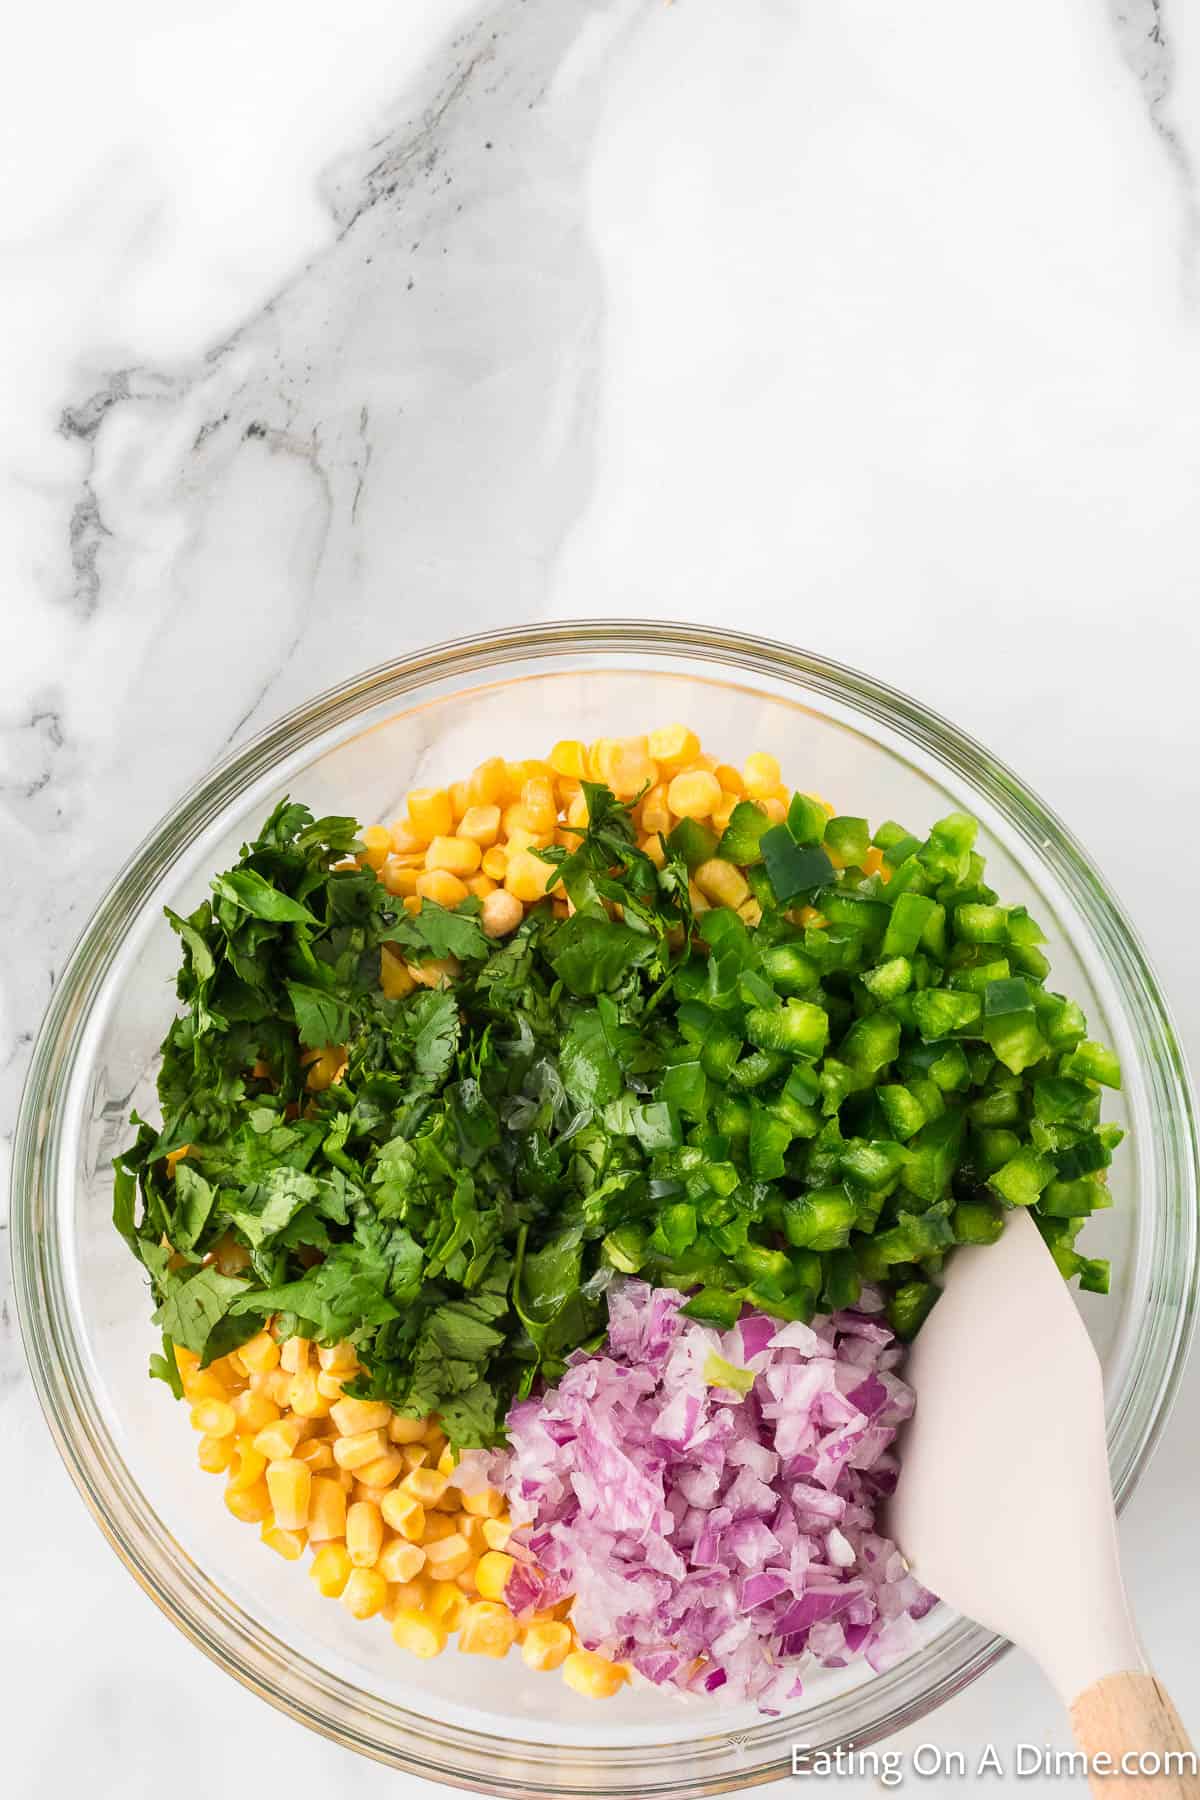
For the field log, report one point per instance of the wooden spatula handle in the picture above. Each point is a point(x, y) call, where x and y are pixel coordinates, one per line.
point(1127, 1713)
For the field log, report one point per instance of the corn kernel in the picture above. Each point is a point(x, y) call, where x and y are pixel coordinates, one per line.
point(330, 1386)
point(447, 1462)
point(205, 1384)
point(448, 1557)
point(374, 1495)
point(480, 825)
point(326, 1509)
point(285, 1543)
point(627, 767)
point(541, 808)
point(774, 808)
point(730, 780)
point(495, 862)
point(400, 1561)
point(250, 1466)
point(353, 1417)
point(403, 1430)
point(216, 1418)
point(394, 978)
point(674, 746)
point(398, 877)
point(459, 799)
point(404, 1514)
point(214, 1454)
point(437, 971)
point(338, 1359)
point(656, 811)
point(810, 915)
point(481, 886)
point(281, 1438)
point(327, 1069)
point(260, 1354)
point(448, 1603)
point(471, 1532)
point(721, 882)
point(306, 1398)
point(407, 1596)
point(231, 1371)
point(592, 1676)
point(653, 848)
point(439, 1524)
point(289, 1483)
point(487, 1629)
point(750, 911)
point(418, 1633)
point(364, 1533)
point(873, 863)
point(492, 1573)
point(486, 787)
point(383, 1471)
point(440, 886)
point(496, 1532)
point(424, 1485)
point(187, 1362)
point(377, 845)
point(359, 1448)
point(431, 814)
point(330, 1569)
point(415, 1456)
point(365, 1592)
point(293, 1355)
point(250, 1504)
point(569, 757)
point(546, 1645)
point(487, 1504)
point(694, 795)
point(760, 772)
point(455, 855)
point(526, 876)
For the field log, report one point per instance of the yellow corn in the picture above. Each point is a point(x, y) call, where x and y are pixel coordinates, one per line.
point(526, 877)
point(289, 1483)
point(407, 1595)
point(255, 1411)
point(693, 794)
point(487, 1504)
point(415, 1456)
point(352, 1417)
point(446, 1459)
point(330, 1569)
point(365, 1592)
point(418, 1633)
point(404, 1514)
point(774, 808)
point(591, 1675)
point(399, 878)
point(653, 848)
point(441, 887)
point(281, 1438)
point(424, 1485)
point(383, 1471)
point(430, 813)
point(760, 772)
point(730, 780)
point(546, 1645)
point(260, 1354)
point(317, 1453)
point(673, 746)
point(541, 808)
point(403, 1430)
point(496, 1532)
point(459, 799)
point(214, 1454)
point(326, 1509)
point(362, 1447)
point(400, 1561)
point(480, 825)
point(492, 1573)
point(656, 811)
point(250, 1504)
point(448, 1603)
point(569, 757)
point(377, 845)
point(285, 1543)
point(364, 1533)
point(216, 1418)
point(251, 1466)
point(439, 1525)
point(721, 882)
point(471, 1531)
point(394, 978)
point(447, 1558)
point(495, 862)
point(306, 1398)
point(455, 855)
point(338, 1359)
point(487, 1629)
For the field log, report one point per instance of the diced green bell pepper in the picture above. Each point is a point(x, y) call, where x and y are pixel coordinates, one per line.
point(741, 841)
point(819, 1220)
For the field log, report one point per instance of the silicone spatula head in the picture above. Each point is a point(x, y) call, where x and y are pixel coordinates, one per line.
point(1004, 1504)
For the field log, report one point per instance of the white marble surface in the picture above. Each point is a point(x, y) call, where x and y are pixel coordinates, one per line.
point(871, 327)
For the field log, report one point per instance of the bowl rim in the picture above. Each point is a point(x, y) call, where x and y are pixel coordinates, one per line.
point(188, 1598)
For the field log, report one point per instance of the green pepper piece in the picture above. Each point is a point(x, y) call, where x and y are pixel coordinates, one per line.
point(896, 843)
point(1073, 1199)
point(741, 841)
point(933, 1156)
point(1094, 1272)
point(626, 1248)
point(793, 868)
point(770, 1136)
point(910, 1306)
point(978, 924)
point(732, 1116)
point(889, 979)
point(902, 1110)
point(789, 969)
point(684, 1087)
point(806, 819)
point(975, 1222)
point(798, 1027)
point(819, 1220)
point(693, 841)
point(758, 1263)
point(849, 839)
point(758, 1067)
point(939, 1011)
point(1020, 1180)
point(872, 1164)
point(712, 1306)
point(871, 1043)
point(1094, 1062)
point(993, 1146)
point(675, 1231)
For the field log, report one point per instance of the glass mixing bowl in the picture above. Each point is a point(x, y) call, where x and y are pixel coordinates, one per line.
point(83, 1301)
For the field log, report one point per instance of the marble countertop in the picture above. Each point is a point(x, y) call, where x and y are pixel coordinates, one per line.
point(872, 328)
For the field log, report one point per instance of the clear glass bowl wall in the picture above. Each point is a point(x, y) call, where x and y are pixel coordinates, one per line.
point(84, 1305)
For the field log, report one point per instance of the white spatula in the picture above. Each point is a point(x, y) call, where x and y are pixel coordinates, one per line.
point(1004, 1505)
